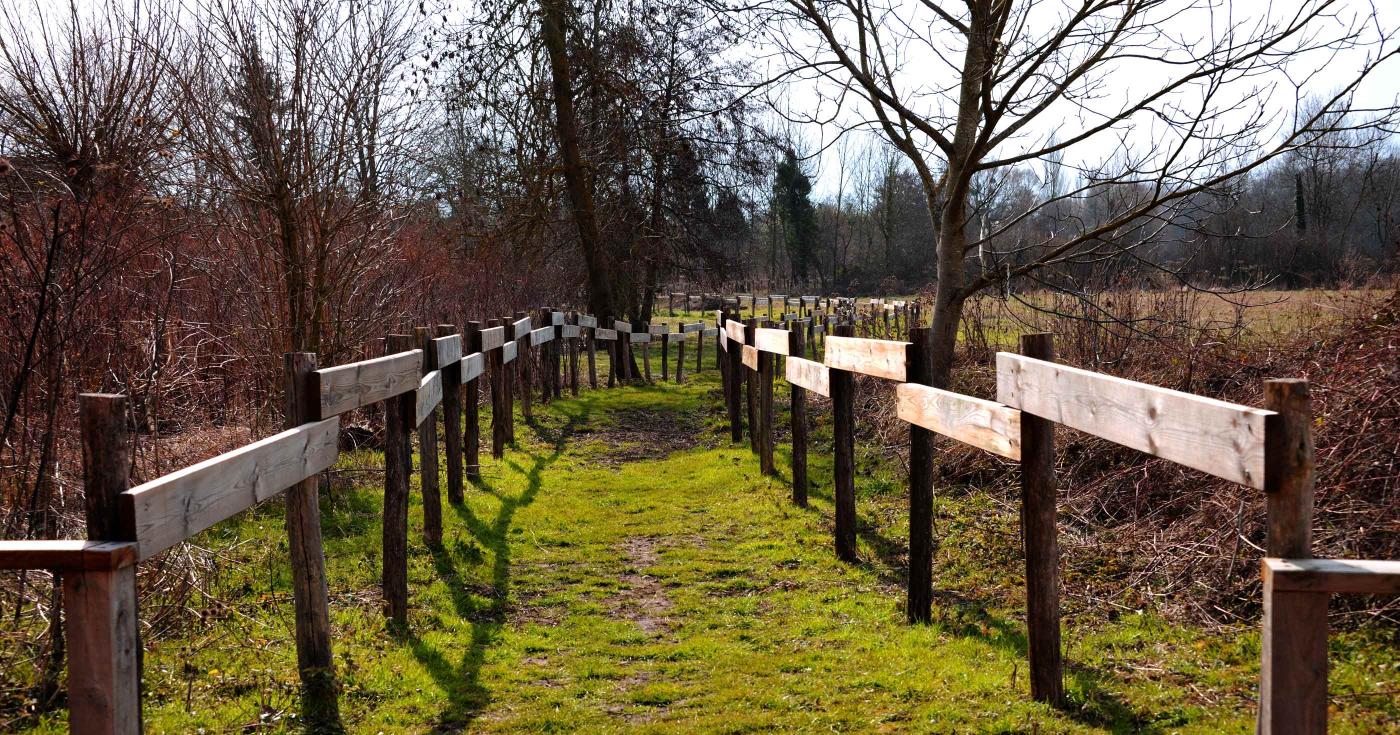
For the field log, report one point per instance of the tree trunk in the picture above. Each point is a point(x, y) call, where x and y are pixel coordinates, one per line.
point(553, 16)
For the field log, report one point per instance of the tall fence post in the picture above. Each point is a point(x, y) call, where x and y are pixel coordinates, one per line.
point(1293, 671)
point(499, 409)
point(844, 437)
point(1038, 526)
point(700, 349)
point(452, 420)
point(573, 357)
point(919, 369)
point(592, 359)
point(765, 411)
point(646, 351)
point(429, 482)
point(104, 646)
point(510, 374)
point(471, 402)
point(320, 706)
point(734, 360)
point(680, 354)
point(799, 428)
point(750, 381)
point(665, 355)
point(524, 369)
point(398, 465)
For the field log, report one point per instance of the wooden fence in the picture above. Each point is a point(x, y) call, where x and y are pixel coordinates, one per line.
point(1269, 450)
point(435, 371)
point(439, 370)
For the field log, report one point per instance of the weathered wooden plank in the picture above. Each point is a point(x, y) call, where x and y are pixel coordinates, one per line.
point(104, 652)
point(658, 328)
point(522, 326)
point(709, 332)
point(734, 330)
point(67, 555)
point(585, 320)
point(492, 338)
point(771, 340)
point(541, 335)
point(429, 396)
point(878, 357)
point(571, 331)
point(347, 387)
point(1344, 576)
point(675, 337)
point(808, 374)
point(640, 337)
point(449, 349)
point(750, 357)
point(170, 509)
point(1215, 437)
point(983, 424)
point(556, 318)
point(622, 326)
point(604, 334)
point(473, 366)
point(694, 327)
point(508, 352)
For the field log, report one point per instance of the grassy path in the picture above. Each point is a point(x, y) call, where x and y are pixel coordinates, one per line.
point(625, 569)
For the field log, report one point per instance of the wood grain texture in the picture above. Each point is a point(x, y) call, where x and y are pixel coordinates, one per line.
point(492, 338)
point(734, 331)
point(522, 327)
point(878, 357)
point(429, 396)
point(770, 340)
point(509, 351)
point(170, 509)
point(621, 326)
point(812, 376)
point(693, 327)
point(104, 652)
point(640, 337)
point(473, 366)
point(1215, 437)
point(347, 387)
point(605, 334)
point(984, 424)
point(1342, 576)
point(571, 331)
point(67, 555)
point(541, 335)
point(674, 337)
point(449, 349)
point(585, 320)
point(1293, 663)
point(750, 357)
point(710, 332)
point(556, 318)
point(658, 328)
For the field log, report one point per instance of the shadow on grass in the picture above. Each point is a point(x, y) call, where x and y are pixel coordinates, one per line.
point(461, 681)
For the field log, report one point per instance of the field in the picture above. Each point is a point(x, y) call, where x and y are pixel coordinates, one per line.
point(625, 568)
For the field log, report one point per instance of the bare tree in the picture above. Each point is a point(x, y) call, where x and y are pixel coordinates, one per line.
point(1184, 95)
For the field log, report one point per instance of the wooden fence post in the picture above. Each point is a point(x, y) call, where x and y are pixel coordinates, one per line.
point(665, 355)
point(734, 359)
point(646, 351)
point(429, 479)
point(471, 403)
point(919, 369)
point(398, 464)
point(844, 493)
point(452, 420)
point(509, 373)
point(496, 369)
point(799, 429)
point(1038, 527)
point(1293, 671)
point(765, 411)
point(315, 663)
point(592, 360)
point(680, 355)
point(750, 381)
point(573, 357)
point(700, 350)
point(524, 370)
point(100, 608)
point(556, 353)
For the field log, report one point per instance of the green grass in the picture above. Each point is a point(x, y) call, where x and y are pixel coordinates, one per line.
point(626, 568)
